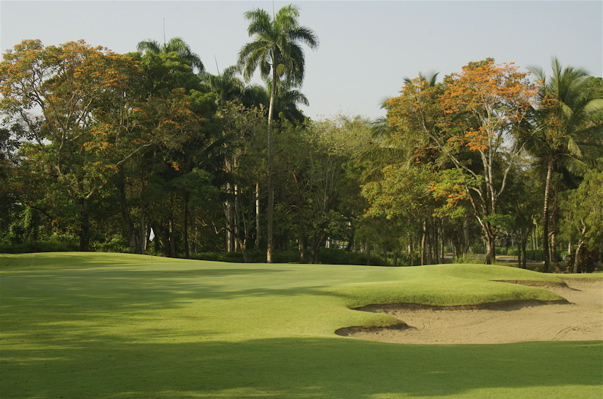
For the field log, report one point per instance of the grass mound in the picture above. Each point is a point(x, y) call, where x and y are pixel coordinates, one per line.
point(451, 285)
point(105, 325)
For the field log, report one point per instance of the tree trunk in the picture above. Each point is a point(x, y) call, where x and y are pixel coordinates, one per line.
point(436, 241)
point(258, 229)
point(424, 243)
point(302, 245)
point(490, 245)
point(270, 203)
point(187, 253)
point(317, 241)
point(84, 233)
point(125, 214)
point(411, 249)
point(579, 247)
point(554, 259)
point(524, 264)
point(229, 218)
point(142, 242)
point(546, 218)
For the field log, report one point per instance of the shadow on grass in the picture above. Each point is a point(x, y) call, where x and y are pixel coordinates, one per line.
point(298, 368)
point(58, 342)
point(70, 305)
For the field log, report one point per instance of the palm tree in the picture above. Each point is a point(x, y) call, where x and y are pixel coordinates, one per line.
point(226, 85)
point(176, 45)
point(567, 104)
point(286, 102)
point(276, 50)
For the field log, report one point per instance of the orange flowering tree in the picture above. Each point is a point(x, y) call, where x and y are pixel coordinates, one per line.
point(488, 103)
point(467, 123)
point(50, 96)
point(86, 114)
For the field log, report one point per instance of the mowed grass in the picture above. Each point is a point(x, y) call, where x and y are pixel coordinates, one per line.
point(103, 325)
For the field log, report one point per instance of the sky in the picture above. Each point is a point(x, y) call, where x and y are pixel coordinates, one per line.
point(366, 49)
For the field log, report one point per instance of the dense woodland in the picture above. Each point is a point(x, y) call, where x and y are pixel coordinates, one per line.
point(147, 152)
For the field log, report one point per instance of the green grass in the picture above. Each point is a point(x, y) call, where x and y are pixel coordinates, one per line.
point(104, 325)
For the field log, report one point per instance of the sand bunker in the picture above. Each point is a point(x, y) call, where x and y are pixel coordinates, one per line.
point(578, 319)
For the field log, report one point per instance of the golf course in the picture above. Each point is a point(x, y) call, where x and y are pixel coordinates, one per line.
point(105, 325)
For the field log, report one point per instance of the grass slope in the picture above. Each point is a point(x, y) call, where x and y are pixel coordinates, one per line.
point(122, 326)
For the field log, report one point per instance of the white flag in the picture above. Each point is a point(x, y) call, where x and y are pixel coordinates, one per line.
point(152, 235)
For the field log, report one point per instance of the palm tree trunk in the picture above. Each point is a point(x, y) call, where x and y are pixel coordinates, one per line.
point(554, 212)
point(546, 217)
point(258, 230)
point(270, 203)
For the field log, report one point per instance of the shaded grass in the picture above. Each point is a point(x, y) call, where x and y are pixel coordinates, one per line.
point(123, 326)
point(307, 367)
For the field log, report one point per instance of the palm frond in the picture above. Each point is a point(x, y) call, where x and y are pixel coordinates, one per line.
point(149, 45)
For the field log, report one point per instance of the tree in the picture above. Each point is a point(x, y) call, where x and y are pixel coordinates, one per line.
point(564, 128)
point(174, 112)
point(276, 50)
point(522, 203)
point(583, 220)
point(492, 101)
point(313, 163)
point(245, 130)
point(175, 45)
point(403, 196)
point(286, 103)
point(55, 97)
point(467, 124)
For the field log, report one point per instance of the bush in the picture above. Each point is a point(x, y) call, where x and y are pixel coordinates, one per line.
point(54, 243)
point(589, 262)
point(469, 258)
point(334, 256)
point(114, 245)
point(326, 255)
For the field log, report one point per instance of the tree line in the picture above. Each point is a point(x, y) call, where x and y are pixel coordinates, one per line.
point(148, 152)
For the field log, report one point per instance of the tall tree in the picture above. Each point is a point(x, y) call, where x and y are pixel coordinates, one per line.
point(276, 50)
point(564, 127)
point(286, 103)
point(56, 97)
point(175, 45)
point(466, 123)
point(492, 102)
point(175, 109)
point(583, 221)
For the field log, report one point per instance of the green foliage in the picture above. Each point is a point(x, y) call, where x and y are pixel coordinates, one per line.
point(106, 147)
point(14, 243)
point(584, 210)
point(499, 221)
point(583, 221)
point(116, 244)
point(326, 256)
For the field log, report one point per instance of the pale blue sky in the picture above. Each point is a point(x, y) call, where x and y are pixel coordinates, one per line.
point(366, 48)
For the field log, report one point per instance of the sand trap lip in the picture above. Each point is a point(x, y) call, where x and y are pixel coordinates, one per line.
point(578, 318)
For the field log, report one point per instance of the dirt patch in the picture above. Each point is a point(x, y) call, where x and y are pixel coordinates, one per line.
point(541, 284)
point(578, 318)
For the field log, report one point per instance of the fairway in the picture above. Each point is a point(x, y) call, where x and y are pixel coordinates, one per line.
point(102, 325)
